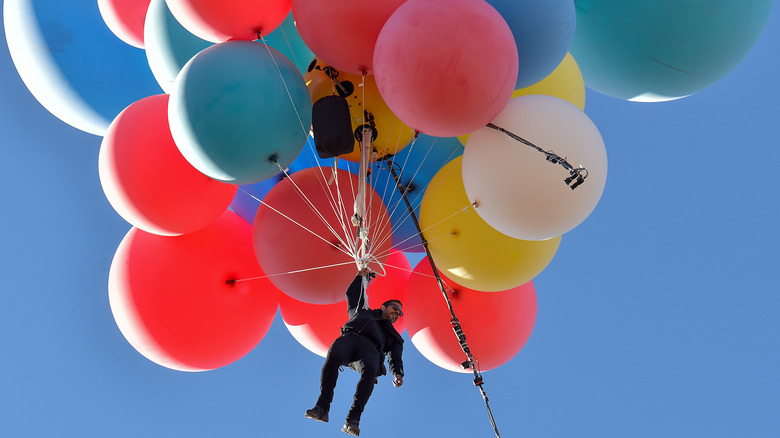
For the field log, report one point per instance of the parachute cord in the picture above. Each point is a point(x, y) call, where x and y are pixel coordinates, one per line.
point(297, 271)
point(457, 328)
point(576, 175)
point(311, 206)
point(287, 89)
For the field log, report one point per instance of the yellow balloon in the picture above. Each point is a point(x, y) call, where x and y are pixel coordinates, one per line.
point(564, 82)
point(366, 108)
point(466, 249)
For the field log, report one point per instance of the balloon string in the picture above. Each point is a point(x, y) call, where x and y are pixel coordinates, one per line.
point(300, 120)
point(336, 204)
point(576, 175)
point(297, 271)
point(405, 190)
point(289, 46)
point(339, 247)
point(387, 186)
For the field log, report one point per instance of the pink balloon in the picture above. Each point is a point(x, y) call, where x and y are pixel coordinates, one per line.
point(315, 326)
point(148, 181)
point(173, 300)
point(343, 32)
point(125, 18)
point(496, 324)
point(222, 20)
point(304, 237)
point(448, 75)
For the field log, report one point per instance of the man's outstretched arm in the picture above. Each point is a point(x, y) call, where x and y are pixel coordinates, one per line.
point(356, 297)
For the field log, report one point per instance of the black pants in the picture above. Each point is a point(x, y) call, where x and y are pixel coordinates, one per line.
point(364, 356)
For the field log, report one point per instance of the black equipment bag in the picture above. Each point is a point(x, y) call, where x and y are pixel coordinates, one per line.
point(332, 127)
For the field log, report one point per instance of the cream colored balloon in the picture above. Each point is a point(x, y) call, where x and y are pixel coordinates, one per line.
point(519, 192)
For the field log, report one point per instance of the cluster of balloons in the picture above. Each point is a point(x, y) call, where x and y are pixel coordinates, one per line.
point(475, 113)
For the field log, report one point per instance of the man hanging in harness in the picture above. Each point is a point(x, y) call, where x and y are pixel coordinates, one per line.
point(365, 338)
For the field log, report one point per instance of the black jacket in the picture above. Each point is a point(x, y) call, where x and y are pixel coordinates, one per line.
point(368, 323)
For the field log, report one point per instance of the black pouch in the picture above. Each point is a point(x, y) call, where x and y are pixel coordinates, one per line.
point(332, 126)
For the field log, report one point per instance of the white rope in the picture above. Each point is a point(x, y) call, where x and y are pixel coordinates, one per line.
point(297, 271)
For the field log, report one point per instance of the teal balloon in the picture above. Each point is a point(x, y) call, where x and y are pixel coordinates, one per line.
point(287, 40)
point(661, 50)
point(169, 46)
point(238, 111)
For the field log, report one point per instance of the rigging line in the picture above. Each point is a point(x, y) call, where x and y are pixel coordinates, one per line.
point(456, 212)
point(289, 96)
point(311, 206)
point(344, 219)
point(289, 46)
point(388, 187)
point(457, 328)
point(406, 188)
point(337, 206)
point(397, 203)
point(400, 247)
point(297, 271)
point(296, 222)
point(576, 175)
point(307, 134)
point(300, 121)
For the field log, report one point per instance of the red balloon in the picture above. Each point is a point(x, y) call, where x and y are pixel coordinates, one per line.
point(125, 18)
point(343, 32)
point(449, 75)
point(222, 20)
point(172, 299)
point(304, 237)
point(496, 324)
point(148, 181)
point(315, 326)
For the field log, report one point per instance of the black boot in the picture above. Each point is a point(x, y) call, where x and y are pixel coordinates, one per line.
point(351, 428)
point(317, 413)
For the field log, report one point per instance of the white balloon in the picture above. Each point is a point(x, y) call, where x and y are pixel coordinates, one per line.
point(515, 189)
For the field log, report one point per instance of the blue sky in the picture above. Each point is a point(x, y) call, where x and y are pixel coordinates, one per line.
point(657, 317)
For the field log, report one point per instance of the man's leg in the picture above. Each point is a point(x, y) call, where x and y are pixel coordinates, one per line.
point(340, 353)
point(369, 368)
